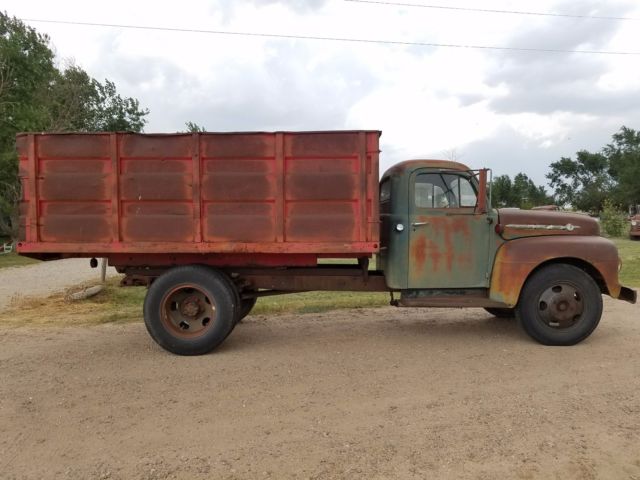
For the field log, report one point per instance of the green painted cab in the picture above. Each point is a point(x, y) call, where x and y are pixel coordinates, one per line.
point(435, 232)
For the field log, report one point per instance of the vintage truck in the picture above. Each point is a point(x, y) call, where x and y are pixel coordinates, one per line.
point(212, 221)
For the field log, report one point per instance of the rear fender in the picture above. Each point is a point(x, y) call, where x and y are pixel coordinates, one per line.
point(517, 259)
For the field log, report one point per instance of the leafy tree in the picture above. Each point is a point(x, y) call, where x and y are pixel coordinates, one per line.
point(26, 69)
point(624, 165)
point(37, 96)
point(584, 182)
point(193, 127)
point(73, 94)
point(613, 222)
point(81, 103)
point(115, 113)
point(501, 191)
point(521, 192)
point(591, 178)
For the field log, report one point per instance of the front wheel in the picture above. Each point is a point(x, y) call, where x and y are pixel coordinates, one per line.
point(190, 310)
point(560, 305)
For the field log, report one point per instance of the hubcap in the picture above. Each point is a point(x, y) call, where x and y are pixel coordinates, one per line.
point(187, 311)
point(561, 305)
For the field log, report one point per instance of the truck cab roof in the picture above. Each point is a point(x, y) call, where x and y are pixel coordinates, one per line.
point(409, 166)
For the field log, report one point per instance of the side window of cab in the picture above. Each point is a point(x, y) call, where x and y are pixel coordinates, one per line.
point(385, 191)
point(444, 190)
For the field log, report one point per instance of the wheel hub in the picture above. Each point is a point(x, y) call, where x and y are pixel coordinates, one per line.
point(561, 305)
point(187, 311)
point(190, 307)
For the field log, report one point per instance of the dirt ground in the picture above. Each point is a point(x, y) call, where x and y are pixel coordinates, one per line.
point(359, 394)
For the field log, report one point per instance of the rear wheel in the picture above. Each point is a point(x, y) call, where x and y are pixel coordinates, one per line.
point(560, 305)
point(190, 310)
point(502, 312)
point(246, 305)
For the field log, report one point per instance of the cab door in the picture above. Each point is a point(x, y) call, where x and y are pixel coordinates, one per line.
point(448, 236)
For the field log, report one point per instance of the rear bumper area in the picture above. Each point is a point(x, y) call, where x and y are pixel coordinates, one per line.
point(628, 295)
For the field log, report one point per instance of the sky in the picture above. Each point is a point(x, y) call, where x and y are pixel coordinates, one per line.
point(511, 111)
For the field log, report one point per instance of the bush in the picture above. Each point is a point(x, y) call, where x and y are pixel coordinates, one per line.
point(612, 221)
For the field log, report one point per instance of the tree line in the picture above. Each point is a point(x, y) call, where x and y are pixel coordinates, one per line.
point(588, 182)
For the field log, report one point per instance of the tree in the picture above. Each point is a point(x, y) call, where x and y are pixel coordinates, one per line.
point(37, 96)
point(193, 127)
point(82, 104)
point(501, 188)
point(583, 183)
point(521, 192)
point(115, 113)
point(590, 179)
point(26, 69)
point(73, 94)
point(624, 165)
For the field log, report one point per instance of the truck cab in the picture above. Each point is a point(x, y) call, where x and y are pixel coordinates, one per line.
point(442, 245)
point(434, 231)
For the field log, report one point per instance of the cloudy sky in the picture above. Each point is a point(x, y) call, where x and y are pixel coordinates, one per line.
point(508, 110)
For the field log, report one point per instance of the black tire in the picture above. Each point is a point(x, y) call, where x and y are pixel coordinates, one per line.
point(501, 312)
point(190, 310)
point(560, 305)
point(246, 305)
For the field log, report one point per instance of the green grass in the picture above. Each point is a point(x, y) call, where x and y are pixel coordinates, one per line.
point(314, 302)
point(629, 251)
point(118, 304)
point(14, 260)
point(114, 304)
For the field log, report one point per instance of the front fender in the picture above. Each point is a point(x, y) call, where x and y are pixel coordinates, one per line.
point(516, 259)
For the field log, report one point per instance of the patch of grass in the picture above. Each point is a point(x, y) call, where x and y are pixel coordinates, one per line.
point(112, 305)
point(116, 304)
point(315, 302)
point(629, 251)
point(14, 260)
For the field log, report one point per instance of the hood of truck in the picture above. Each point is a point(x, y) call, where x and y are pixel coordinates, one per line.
point(516, 223)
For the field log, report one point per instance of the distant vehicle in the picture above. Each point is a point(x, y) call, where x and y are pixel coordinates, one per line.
point(634, 220)
point(210, 222)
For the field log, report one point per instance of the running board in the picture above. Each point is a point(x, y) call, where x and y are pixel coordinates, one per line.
point(448, 298)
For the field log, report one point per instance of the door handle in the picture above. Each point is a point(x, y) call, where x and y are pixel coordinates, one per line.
point(419, 224)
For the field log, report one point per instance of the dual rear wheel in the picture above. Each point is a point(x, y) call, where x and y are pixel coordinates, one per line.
point(190, 310)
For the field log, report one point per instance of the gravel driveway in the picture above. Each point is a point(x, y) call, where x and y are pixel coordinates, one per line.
point(45, 278)
point(369, 394)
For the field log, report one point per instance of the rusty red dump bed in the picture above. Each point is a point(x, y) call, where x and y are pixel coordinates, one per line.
point(273, 198)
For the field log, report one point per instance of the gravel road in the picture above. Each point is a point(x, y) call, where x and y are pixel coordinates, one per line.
point(355, 394)
point(45, 278)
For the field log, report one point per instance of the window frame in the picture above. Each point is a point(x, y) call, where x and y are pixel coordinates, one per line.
point(449, 192)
